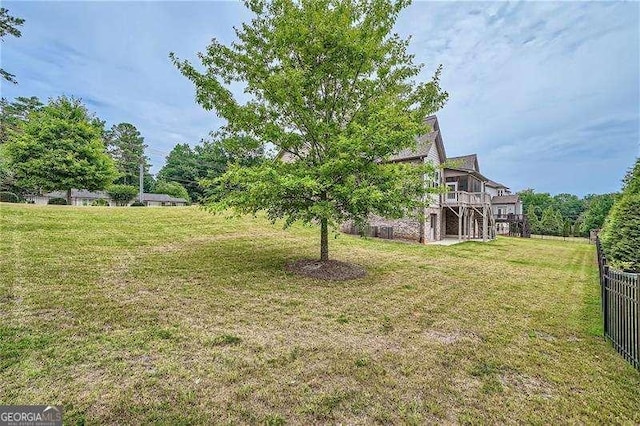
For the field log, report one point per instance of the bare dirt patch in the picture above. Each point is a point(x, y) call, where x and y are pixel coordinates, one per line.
point(527, 385)
point(333, 270)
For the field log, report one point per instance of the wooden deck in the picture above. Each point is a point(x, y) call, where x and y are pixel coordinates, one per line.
point(469, 199)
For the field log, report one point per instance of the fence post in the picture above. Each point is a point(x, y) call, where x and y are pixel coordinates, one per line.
point(605, 303)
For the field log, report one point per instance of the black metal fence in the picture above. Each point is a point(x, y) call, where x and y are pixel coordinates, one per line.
point(620, 294)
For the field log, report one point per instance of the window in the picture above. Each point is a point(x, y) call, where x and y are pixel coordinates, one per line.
point(433, 181)
point(451, 188)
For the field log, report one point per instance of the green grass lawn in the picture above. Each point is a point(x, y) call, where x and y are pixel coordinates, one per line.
point(172, 315)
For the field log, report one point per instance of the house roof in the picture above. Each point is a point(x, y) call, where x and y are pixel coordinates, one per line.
point(83, 193)
point(423, 143)
point(505, 199)
point(78, 193)
point(495, 184)
point(468, 162)
point(162, 198)
point(472, 172)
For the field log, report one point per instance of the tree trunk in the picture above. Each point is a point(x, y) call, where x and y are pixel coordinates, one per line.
point(324, 240)
point(69, 196)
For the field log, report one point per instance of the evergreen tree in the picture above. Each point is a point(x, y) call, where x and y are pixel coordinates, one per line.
point(126, 146)
point(549, 222)
point(532, 218)
point(620, 235)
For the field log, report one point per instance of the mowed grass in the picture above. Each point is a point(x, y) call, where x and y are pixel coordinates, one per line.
point(176, 316)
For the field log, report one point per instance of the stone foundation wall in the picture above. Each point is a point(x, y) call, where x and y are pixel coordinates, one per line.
point(451, 223)
point(407, 228)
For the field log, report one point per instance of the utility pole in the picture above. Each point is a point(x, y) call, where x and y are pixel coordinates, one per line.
point(141, 180)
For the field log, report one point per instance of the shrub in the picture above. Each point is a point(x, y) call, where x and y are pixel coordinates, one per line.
point(621, 233)
point(58, 201)
point(8, 197)
point(173, 189)
point(137, 204)
point(100, 202)
point(122, 194)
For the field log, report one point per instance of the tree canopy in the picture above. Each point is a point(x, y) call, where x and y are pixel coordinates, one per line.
point(59, 148)
point(9, 25)
point(126, 146)
point(333, 91)
point(13, 113)
point(183, 165)
point(209, 159)
point(597, 209)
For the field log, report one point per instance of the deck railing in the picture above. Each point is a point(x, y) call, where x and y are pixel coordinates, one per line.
point(466, 198)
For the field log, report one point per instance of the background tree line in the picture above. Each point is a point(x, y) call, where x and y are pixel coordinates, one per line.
point(61, 146)
point(565, 214)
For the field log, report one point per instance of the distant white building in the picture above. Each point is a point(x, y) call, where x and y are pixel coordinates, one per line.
point(81, 197)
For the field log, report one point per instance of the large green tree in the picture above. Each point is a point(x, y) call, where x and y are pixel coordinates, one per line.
point(60, 147)
point(183, 166)
point(126, 146)
point(9, 25)
point(334, 91)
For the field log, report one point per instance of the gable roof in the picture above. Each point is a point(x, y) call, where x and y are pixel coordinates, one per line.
point(467, 162)
point(424, 143)
point(495, 184)
point(505, 199)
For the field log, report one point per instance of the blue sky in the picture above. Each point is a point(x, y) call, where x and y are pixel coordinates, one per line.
point(546, 93)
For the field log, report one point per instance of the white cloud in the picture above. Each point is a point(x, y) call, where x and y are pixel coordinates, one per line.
point(526, 80)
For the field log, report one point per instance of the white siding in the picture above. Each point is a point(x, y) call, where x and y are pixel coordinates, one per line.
point(491, 190)
point(505, 209)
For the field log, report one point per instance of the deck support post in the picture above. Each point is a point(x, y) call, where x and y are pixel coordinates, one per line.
point(460, 216)
point(485, 223)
